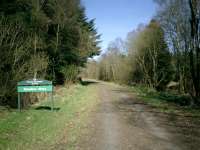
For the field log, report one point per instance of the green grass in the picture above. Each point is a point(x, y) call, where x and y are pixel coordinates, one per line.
point(43, 129)
point(166, 101)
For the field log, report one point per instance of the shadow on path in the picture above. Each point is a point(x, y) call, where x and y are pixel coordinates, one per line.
point(88, 82)
point(47, 108)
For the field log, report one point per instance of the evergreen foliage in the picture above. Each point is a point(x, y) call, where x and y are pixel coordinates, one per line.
point(48, 39)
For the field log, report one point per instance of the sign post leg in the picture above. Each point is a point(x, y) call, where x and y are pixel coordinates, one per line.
point(19, 102)
point(52, 102)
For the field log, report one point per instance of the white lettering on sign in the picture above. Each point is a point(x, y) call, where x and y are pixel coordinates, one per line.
point(35, 89)
point(34, 81)
point(42, 89)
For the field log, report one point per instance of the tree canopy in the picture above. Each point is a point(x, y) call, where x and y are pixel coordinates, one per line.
point(43, 39)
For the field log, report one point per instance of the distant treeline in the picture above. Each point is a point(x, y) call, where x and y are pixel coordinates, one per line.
point(163, 54)
point(48, 39)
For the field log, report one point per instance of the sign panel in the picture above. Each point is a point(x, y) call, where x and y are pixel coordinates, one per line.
point(24, 89)
point(34, 82)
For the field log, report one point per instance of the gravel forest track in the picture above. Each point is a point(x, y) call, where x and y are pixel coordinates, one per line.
point(121, 122)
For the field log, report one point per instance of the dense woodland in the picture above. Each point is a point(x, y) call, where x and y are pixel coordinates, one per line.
point(163, 54)
point(43, 39)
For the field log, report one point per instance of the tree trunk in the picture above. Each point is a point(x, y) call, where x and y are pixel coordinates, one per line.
point(195, 49)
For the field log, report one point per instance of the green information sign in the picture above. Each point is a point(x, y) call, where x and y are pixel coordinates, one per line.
point(34, 86)
point(24, 89)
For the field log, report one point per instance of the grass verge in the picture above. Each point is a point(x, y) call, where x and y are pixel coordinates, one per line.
point(43, 129)
point(166, 101)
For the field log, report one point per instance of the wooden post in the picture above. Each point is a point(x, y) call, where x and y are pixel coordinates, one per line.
point(19, 102)
point(52, 102)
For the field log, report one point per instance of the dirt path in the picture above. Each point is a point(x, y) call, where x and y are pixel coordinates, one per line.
point(121, 122)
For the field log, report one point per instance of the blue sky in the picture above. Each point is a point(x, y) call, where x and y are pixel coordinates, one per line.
point(115, 18)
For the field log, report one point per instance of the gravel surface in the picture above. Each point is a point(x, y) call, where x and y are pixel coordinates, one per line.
point(121, 122)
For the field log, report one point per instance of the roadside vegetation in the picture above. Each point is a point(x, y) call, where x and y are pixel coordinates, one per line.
point(163, 55)
point(167, 102)
point(44, 40)
point(40, 128)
